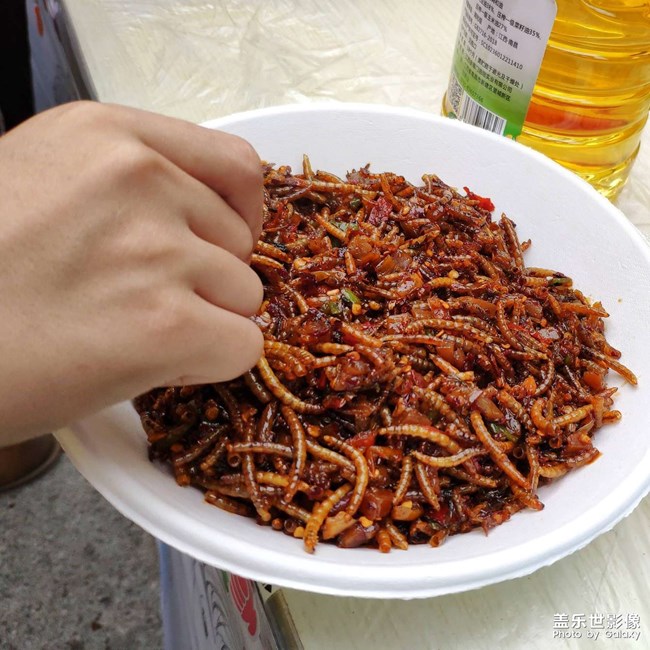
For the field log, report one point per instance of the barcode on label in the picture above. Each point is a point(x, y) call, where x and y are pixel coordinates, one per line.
point(473, 113)
point(455, 93)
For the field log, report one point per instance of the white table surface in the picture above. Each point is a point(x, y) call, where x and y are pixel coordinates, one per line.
point(197, 60)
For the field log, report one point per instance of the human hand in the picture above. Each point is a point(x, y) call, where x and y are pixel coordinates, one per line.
point(124, 239)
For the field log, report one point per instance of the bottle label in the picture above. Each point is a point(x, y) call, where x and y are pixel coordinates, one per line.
point(498, 53)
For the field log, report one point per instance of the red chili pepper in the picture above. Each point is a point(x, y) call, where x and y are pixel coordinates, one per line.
point(363, 440)
point(418, 379)
point(519, 328)
point(542, 339)
point(440, 516)
point(483, 201)
point(380, 211)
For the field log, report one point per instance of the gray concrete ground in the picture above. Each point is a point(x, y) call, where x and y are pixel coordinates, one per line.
point(74, 573)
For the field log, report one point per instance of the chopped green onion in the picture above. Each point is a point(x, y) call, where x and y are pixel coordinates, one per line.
point(346, 225)
point(504, 431)
point(433, 415)
point(350, 296)
point(355, 203)
point(561, 281)
point(332, 308)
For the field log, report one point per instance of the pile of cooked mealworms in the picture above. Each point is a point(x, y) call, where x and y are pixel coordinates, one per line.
point(418, 379)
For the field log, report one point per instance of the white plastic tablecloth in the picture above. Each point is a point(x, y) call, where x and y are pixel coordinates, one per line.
point(199, 60)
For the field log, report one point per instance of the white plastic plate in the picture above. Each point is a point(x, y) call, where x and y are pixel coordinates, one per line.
point(573, 229)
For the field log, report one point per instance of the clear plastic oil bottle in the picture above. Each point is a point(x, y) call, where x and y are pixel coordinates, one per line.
point(591, 96)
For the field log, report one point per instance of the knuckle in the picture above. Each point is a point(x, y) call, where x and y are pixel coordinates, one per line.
point(137, 162)
point(249, 165)
point(85, 112)
point(245, 153)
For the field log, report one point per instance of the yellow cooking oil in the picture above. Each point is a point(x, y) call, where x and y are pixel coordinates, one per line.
point(592, 95)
